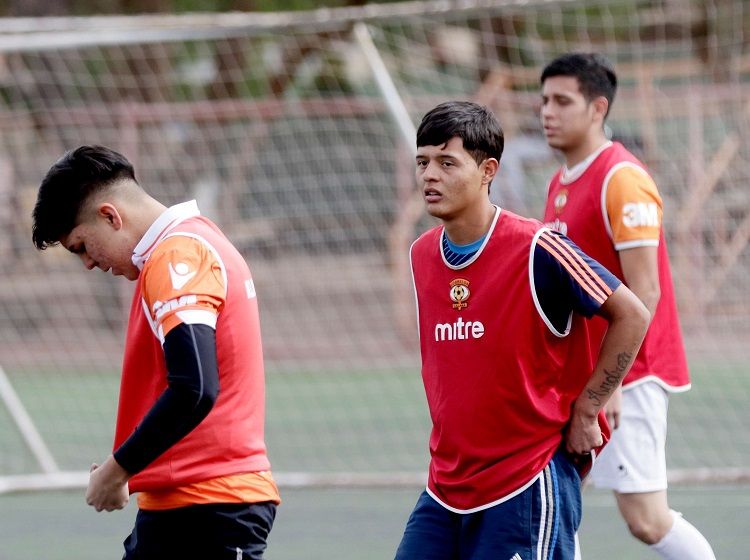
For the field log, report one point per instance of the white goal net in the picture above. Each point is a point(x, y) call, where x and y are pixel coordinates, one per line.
point(293, 133)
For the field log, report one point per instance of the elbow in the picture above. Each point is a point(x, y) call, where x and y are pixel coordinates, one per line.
point(651, 300)
point(201, 409)
point(206, 402)
point(641, 317)
point(196, 402)
point(210, 399)
point(645, 317)
point(633, 312)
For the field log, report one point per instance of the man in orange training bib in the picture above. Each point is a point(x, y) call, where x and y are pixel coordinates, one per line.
point(189, 436)
point(605, 201)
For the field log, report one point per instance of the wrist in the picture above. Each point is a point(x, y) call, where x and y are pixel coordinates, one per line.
point(585, 409)
point(116, 470)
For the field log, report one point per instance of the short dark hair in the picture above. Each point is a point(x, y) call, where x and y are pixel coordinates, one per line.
point(475, 124)
point(594, 73)
point(68, 184)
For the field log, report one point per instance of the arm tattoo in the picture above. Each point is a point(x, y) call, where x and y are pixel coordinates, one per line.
point(612, 378)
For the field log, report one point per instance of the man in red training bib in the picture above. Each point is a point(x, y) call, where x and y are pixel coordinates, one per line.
point(513, 389)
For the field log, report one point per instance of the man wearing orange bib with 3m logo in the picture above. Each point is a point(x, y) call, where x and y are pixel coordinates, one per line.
point(189, 436)
point(605, 201)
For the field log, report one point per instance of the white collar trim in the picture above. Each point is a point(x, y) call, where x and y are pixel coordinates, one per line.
point(159, 229)
point(569, 175)
point(487, 236)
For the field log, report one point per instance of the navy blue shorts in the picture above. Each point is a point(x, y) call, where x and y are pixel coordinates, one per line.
point(215, 531)
point(538, 524)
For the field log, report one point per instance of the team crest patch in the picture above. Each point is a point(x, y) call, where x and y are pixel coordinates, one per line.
point(560, 201)
point(459, 293)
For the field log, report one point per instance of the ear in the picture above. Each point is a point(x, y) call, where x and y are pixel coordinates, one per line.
point(110, 214)
point(601, 106)
point(491, 165)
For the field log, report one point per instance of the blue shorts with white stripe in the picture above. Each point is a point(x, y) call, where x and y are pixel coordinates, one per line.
point(538, 524)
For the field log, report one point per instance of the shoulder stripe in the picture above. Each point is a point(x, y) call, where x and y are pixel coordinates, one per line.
point(595, 294)
point(576, 266)
point(567, 249)
point(587, 276)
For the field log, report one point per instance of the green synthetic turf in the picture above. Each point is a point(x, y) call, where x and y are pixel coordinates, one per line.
point(373, 421)
point(323, 524)
point(361, 421)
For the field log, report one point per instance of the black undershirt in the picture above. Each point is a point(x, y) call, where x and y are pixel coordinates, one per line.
point(192, 389)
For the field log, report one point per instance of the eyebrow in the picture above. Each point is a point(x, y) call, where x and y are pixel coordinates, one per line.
point(564, 94)
point(440, 155)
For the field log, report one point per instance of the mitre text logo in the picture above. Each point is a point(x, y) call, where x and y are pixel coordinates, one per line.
point(459, 330)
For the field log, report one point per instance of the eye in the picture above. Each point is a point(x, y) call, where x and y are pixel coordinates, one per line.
point(421, 163)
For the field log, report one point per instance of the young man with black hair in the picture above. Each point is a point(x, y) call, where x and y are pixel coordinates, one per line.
point(513, 390)
point(189, 434)
point(604, 199)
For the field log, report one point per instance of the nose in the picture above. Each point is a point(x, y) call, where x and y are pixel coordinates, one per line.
point(546, 109)
point(429, 171)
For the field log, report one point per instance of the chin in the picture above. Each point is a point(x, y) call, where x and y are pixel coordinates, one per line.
point(435, 210)
point(556, 144)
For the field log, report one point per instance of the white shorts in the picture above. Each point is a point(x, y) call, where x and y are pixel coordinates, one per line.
point(634, 460)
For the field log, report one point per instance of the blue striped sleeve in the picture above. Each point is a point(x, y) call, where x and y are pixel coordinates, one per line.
point(567, 280)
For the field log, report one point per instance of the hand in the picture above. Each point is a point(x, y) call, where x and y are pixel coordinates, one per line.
point(613, 409)
point(108, 486)
point(583, 433)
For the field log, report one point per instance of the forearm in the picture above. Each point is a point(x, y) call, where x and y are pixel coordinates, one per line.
point(628, 322)
point(614, 362)
point(173, 416)
point(193, 386)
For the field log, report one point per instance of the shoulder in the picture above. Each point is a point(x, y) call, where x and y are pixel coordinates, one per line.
point(177, 259)
point(632, 207)
point(510, 222)
point(630, 183)
point(551, 245)
point(619, 159)
point(179, 244)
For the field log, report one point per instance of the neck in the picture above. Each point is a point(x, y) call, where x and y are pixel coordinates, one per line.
point(470, 226)
point(143, 212)
point(583, 150)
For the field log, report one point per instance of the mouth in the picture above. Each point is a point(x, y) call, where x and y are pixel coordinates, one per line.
point(431, 195)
